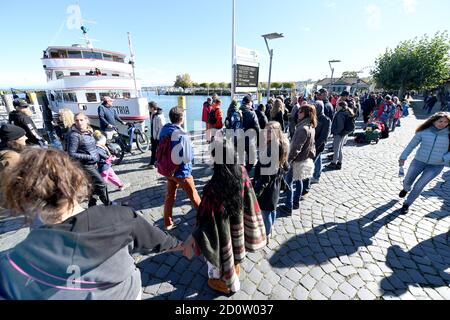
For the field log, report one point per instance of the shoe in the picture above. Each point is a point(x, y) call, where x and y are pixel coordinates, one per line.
point(331, 166)
point(219, 285)
point(330, 157)
point(148, 166)
point(403, 194)
point(286, 210)
point(339, 166)
point(296, 206)
point(315, 181)
point(405, 209)
point(237, 268)
point(124, 187)
point(175, 223)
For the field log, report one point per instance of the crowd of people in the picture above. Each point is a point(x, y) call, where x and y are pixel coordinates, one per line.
point(258, 153)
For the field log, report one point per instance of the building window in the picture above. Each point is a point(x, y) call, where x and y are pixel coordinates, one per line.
point(74, 54)
point(91, 97)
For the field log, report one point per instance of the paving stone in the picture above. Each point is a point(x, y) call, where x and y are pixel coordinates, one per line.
point(301, 293)
point(356, 282)
point(317, 273)
point(316, 295)
point(280, 293)
point(365, 294)
point(308, 282)
point(294, 275)
point(324, 289)
point(255, 276)
point(347, 270)
point(248, 287)
point(348, 289)
point(265, 287)
point(338, 295)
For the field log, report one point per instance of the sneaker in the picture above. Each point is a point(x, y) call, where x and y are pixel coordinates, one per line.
point(124, 187)
point(339, 166)
point(331, 166)
point(403, 194)
point(405, 209)
point(315, 181)
point(219, 285)
point(296, 206)
point(175, 223)
point(148, 166)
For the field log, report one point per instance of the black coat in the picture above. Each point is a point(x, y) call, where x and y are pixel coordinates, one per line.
point(83, 147)
point(249, 119)
point(26, 123)
point(262, 119)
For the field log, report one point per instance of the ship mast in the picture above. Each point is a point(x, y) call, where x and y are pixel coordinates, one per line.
point(132, 63)
point(86, 37)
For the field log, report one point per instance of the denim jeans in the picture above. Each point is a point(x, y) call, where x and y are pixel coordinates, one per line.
point(338, 145)
point(428, 173)
point(318, 167)
point(291, 196)
point(269, 220)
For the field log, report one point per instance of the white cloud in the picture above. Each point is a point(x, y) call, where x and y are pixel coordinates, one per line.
point(409, 6)
point(373, 17)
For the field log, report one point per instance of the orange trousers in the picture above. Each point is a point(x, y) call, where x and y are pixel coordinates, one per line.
point(187, 184)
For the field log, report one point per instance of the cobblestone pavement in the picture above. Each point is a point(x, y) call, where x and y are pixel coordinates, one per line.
point(347, 241)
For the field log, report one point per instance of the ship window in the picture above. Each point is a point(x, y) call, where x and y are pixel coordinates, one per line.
point(115, 75)
point(59, 74)
point(126, 95)
point(91, 97)
point(60, 54)
point(118, 59)
point(59, 97)
point(107, 57)
point(104, 94)
point(92, 55)
point(74, 74)
point(70, 97)
point(74, 54)
point(49, 75)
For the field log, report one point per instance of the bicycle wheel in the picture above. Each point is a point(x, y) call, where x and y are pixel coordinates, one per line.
point(142, 142)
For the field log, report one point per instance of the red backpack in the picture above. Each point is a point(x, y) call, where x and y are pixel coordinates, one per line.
point(164, 164)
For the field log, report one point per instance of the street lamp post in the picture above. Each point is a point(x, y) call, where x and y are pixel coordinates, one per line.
point(270, 36)
point(332, 71)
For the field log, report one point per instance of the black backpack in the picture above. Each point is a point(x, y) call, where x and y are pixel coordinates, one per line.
point(349, 125)
point(212, 117)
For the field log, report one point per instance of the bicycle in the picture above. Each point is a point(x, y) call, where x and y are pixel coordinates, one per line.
point(118, 146)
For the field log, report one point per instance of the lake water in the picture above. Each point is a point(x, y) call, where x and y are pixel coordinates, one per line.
point(194, 106)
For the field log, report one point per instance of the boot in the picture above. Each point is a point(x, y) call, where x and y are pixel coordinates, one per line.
point(219, 285)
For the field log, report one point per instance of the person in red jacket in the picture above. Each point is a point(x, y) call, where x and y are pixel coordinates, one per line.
point(206, 110)
point(216, 122)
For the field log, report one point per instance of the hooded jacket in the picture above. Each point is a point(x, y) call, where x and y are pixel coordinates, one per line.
point(338, 125)
point(83, 147)
point(250, 120)
point(26, 123)
point(86, 257)
point(158, 121)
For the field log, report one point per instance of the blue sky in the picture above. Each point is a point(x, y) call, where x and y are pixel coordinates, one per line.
point(194, 36)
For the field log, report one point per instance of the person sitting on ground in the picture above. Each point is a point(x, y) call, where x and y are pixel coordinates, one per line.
point(105, 163)
point(269, 176)
point(21, 117)
point(77, 254)
point(433, 154)
point(229, 221)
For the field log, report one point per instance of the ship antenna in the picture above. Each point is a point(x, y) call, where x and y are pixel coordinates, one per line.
point(86, 37)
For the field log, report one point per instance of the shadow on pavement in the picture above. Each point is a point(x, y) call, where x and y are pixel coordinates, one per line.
point(332, 240)
point(442, 191)
point(423, 265)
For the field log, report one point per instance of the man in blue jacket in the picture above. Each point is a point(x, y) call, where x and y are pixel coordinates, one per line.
point(183, 175)
point(108, 117)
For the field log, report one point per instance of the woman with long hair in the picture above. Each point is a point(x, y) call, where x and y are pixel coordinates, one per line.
point(270, 171)
point(277, 112)
point(433, 155)
point(66, 119)
point(301, 156)
point(77, 254)
point(229, 221)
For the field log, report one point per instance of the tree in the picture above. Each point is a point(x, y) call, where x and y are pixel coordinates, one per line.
point(414, 64)
point(289, 85)
point(276, 85)
point(349, 74)
point(204, 85)
point(214, 85)
point(184, 81)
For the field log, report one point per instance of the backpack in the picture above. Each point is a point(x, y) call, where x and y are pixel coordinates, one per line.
point(212, 119)
point(165, 165)
point(349, 125)
point(360, 138)
point(234, 121)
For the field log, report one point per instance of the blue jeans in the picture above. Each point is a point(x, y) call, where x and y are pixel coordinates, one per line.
point(293, 197)
point(318, 167)
point(428, 173)
point(269, 220)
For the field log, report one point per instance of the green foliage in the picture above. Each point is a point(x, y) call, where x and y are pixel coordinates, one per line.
point(415, 64)
point(214, 85)
point(184, 81)
point(204, 85)
point(276, 85)
point(288, 85)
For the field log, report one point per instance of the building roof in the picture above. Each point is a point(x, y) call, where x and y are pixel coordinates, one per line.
point(341, 81)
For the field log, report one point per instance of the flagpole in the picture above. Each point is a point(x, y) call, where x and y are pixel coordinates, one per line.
point(233, 51)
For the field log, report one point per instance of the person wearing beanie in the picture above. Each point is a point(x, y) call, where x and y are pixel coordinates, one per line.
point(12, 142)
point(21, 117)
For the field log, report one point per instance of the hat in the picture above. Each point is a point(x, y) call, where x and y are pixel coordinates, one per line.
point(345, 93)
point(10, 132)
point(20, 104)
point(323, 90)
point(246, 100)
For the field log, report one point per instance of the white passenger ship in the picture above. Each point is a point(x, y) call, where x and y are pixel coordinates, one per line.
point(79, 76)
